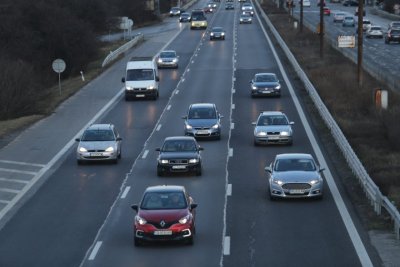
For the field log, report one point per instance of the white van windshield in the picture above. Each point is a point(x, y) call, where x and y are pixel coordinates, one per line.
point(140, 75)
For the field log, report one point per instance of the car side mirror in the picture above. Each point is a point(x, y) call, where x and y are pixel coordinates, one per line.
point(157, 79)
point(119, 139)
point(291, 123)
point(158, 149)
point(200, 148)
point(135, 207)
point(123, 79)
point(193, 206)
point(77, 139)
point(251, 81)
point(268, 169)
point(254, 123)
point(321, 169)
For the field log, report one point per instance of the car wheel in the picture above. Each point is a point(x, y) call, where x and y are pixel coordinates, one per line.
point(386, 41)
point(137, 242)
point(80, 162)
point(115, 161)
point(256, 143)
point(198, 171)
point(190, 241)
point(120, 154)
point(159, 172)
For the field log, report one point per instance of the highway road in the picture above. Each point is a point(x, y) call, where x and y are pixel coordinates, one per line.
point(81, 216)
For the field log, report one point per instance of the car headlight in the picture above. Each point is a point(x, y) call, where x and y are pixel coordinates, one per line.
point(261, 134)
point(188, 127)
point(314, 182)
point(151, 87)
point(110, 149)
point(215, 126)
point(241, 19)
point(174, 60)
point(82, 149)
point(193, 160)
point(284, 133)
point(129, 88)
point(212, 34)
point(140, 220)
point(278, 182)
point(184, 219)
point(254, 87)
point(278, 87)
point(159, 60)
point(163, 161)
point(223, 34)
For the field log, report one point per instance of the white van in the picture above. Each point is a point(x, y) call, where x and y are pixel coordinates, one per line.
point(141, 80)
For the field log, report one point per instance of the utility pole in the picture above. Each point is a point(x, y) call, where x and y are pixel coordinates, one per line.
point(321, 28)
point(360, 42)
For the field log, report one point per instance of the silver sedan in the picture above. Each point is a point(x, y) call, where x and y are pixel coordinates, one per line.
point(294, 176)
point(273, 127)
point(168, 59)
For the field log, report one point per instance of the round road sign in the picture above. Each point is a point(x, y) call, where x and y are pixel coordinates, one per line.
point(58, 65)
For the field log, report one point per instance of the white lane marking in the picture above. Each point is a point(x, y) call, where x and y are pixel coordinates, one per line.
point(234, 79)
point(126, 191)
point(176, 92)
point(4, 201)
point(188, 70)
point(22, 163)
point(227, 245)
point(158, 127)
point(13, 180)
point(95, 250)
point(233, 90)
point(229, 190)
point(182, 80)
point(232, 125)
point(349, 224)
point(230, 152)
point(10, 190)
point(145, 154)
point(17, 171)
point(169, 107)
point(60, 154)
point(233, 106)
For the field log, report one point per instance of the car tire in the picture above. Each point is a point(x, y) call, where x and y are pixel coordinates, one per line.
point(255, 143)
point(115, 161)
point(127, 98)
point(120, 154)
point(80, 162)
point(190, 241)
point(198, 171)
point(137, 242)
point(159, 172)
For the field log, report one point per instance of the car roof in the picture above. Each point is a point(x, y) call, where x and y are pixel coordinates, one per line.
point(100, 127)
point(272, 113)
point(294, 156)
point(168, 51)
point(265, 73)
point(202, 105)
point(165, 188)
point(169, 138)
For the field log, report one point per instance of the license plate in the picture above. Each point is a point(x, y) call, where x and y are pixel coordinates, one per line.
point(163, 232)
point(297, 191)
point(140, 95)
point(273, 137)
point(179, 167)
point(96, 154)
point(266, 92)
point(202, 132)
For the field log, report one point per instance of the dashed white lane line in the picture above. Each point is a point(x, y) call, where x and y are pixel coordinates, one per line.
point(9, 190)
point(232, 125)
point(22, 163)
point(13, 180)
point(169, 107)
point(229, 190)
point(230, 153)
point(158, 127)
point(233, 106)
point(126, 191)
point(233, 90)
point(4, 201)
point(17, 171)
point(227, 245)
point(95, 250)
point(177, 92)
point(145, 154)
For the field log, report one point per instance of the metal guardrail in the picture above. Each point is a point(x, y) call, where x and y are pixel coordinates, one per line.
point(377, 199)
point(114, 54)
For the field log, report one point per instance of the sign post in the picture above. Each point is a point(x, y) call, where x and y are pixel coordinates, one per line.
point(59, 66)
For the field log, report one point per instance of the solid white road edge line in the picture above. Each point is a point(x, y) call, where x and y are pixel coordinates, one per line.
point(348, 222)
point(95, 250)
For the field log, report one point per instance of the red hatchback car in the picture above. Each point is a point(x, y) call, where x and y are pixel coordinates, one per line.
point(165, 213)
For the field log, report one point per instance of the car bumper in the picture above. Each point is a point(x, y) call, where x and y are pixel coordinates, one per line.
point(220, 37)
point(167, 64)
point(265, 140)
point(209, 133)
point(265, 92)
point(246, 21)
point(96, 156)
point(312, 192)
point(178, 168)
point(177, 233)
point(141, 93)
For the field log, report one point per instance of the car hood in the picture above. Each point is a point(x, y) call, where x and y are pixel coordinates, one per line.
point(99, 145)
point(179, 155)
point(202, 122)
point(159, 215)
point(296, 176)
point(266, 84)
point(273, 128)
point(140, 84)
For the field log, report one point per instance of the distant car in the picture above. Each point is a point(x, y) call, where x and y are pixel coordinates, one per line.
point(247, 12)
point(203, 121)
point(350, 3)
point(168, 59)
point(248, 7)
point(175, 11)
point(184, 17)
point(294, 175)
point(265, 84)
point(273, 127)
point(165, 213)
point(374, 31)
point(393, 35)
point(338, 17)
point(366, 23)
point(208, 9)
point(244, 18)
point(179, 154)
point(356, 12)
point(99, 142)
point(198, 19)
point(327, 11)
point(229, 6)
point(348, 21)
point(217, 33)
point(306, 3)
point(394, 25)
point(212, 4)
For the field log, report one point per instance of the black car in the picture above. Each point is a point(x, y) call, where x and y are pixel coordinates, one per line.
point(203, 121)
point(184, 17)
point(265, 84)
point(179, 154)
point(217, 33)
point(393, 35)
point(229, 6)
point(350, 3)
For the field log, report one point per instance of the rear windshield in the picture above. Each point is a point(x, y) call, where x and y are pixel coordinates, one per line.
point(140, 75)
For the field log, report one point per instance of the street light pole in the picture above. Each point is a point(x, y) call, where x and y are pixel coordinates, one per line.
point(360, 42)
point(321, 28)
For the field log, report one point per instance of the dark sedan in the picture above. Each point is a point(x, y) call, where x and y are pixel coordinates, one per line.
point(179, 154)
point(165, 213)
point(203, 121)
point(265, 84)
point(393, 35)
point(217, 33)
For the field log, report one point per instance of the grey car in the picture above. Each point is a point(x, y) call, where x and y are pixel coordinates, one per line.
point(244, 18)
point(273, 127)
point(203, 121)
point(348, 21)
point(99, 142)
point(168, 59)
point(265, 84)
point(217, 33)
point(295, 175)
